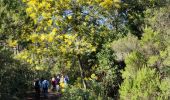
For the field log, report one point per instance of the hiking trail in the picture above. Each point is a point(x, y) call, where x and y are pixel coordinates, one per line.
point(51, 96)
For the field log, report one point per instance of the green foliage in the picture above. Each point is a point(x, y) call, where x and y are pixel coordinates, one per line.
point(134, 10)
point(14, 22)
point(145, 84)
point(134, 61)
point(87, 40)
point(146, 76)
point(15, 76)
point(124, 46)
point(77, 93)
point(108, 72)
point(74, 93)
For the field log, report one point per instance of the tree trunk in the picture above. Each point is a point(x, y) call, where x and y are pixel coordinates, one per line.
point(81, 72)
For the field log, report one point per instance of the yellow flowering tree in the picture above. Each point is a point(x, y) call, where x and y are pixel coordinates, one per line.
point(69, 29)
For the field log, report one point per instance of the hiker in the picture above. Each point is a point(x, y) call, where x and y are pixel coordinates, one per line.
point(57, 83)
point(62, 84)
point(62, 79)
point(53, 82)
point(37, 86)
point(45, 85)
point(66, 79)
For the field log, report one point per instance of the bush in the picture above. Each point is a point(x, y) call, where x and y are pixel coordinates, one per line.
point(145, 85)
point(15, 77)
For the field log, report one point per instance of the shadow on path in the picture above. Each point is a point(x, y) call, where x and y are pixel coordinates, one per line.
point(51, 96)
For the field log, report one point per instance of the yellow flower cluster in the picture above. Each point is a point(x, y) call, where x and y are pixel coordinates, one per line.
point(12, 43)
point(45, 12)
point(107, 4)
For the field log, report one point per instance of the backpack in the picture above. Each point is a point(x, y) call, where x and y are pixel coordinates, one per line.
point(53, 83)
point(45, 85)
point(57, 81)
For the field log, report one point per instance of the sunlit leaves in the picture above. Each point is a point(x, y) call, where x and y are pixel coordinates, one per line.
point(68, 41)
point(108, 4)
point(148, 35)
point(136, 88)
point(152, 60)
point(24, 55)
point(12, 43)
point(34, 37)
point(124, 46)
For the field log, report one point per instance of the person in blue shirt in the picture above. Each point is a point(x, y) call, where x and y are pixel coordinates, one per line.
point(45, 85)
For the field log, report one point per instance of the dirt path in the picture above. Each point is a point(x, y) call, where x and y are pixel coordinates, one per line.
point(51, 96)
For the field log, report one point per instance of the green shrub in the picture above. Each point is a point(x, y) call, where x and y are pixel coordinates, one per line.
point(15, 77)
point(145, 85)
